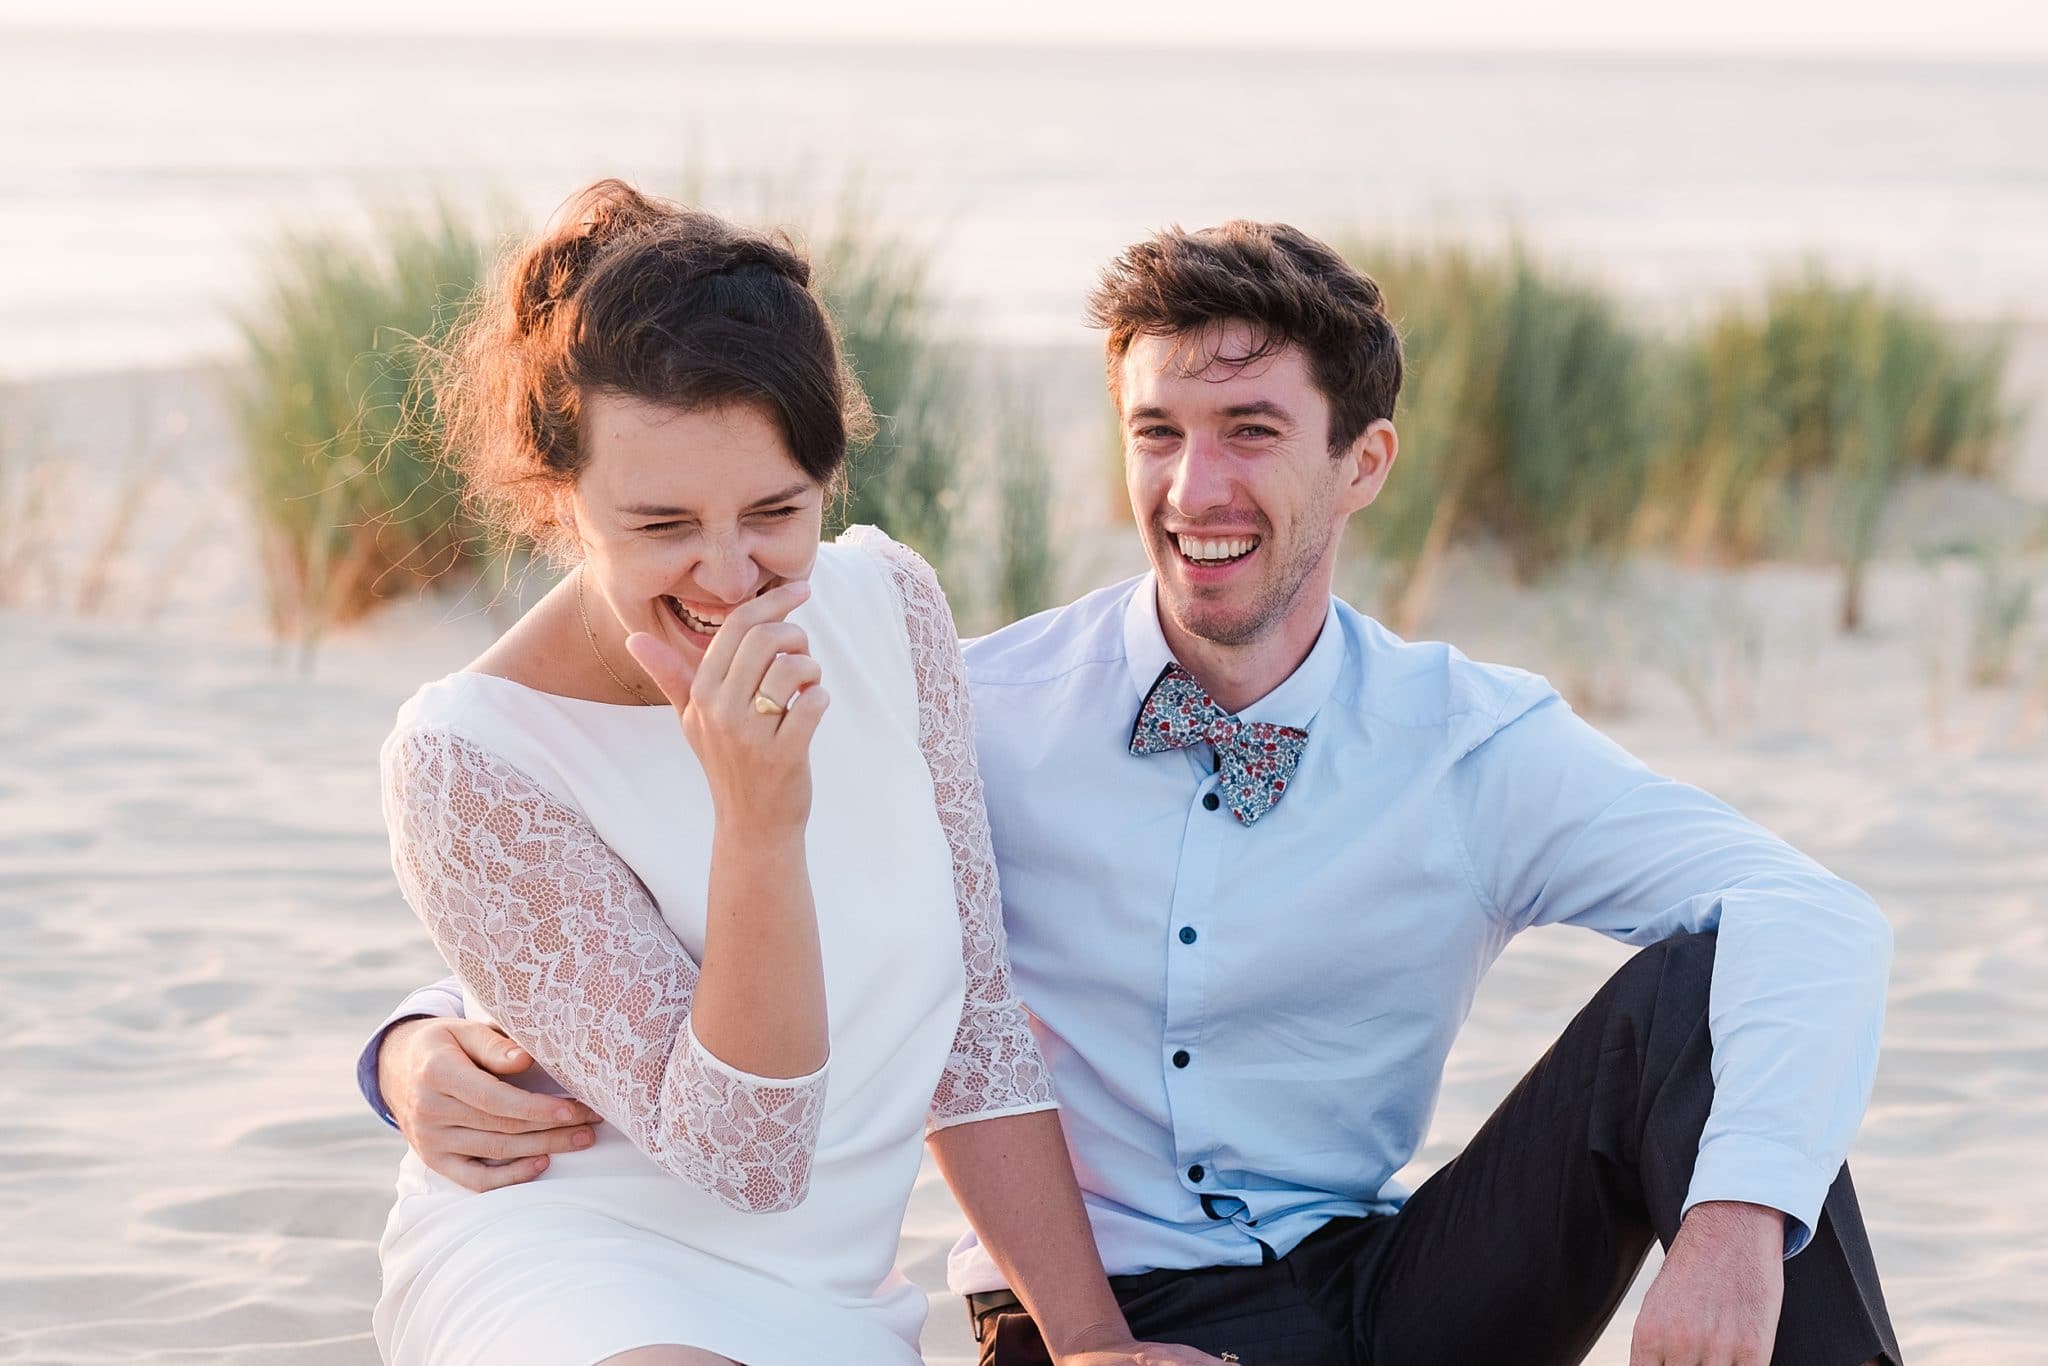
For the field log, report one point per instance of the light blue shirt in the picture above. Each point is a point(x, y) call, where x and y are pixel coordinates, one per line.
point(1247, 1025)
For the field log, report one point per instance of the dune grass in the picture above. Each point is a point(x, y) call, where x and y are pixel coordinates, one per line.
point(1536, 412)
point(1027, 567)
point(906, 480)
point(1793, 424)
point(27, 498)
point(354, 502)
point(1526, 416)
point(345, 458)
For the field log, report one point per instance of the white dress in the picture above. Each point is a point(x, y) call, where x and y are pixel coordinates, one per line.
point(558, 850)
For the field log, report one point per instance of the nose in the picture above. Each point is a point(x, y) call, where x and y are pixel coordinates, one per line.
point(1201, 480)
point(728, 572)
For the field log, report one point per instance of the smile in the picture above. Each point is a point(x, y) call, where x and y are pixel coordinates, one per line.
point(1205, 550)
point(701, 623)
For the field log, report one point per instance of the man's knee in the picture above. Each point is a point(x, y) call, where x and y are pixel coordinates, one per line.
point(1673, 976)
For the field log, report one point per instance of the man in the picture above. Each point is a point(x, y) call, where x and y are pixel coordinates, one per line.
point(1256, 855)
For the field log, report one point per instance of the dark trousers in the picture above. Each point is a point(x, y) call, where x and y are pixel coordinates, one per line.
point(1521, 1249)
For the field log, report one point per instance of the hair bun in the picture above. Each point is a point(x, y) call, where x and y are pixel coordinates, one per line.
point(552, 268)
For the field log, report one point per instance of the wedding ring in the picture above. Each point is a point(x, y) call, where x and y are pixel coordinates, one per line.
point(768, 706)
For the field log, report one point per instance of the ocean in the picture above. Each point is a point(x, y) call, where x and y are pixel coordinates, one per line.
point(142, 176)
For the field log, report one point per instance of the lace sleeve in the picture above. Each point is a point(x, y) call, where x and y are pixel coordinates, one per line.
point(995, 1067)
point(558, 939)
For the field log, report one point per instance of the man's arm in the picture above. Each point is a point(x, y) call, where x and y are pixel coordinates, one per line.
point(1014, 1181)
point(1562, 826)
point(434, 1076)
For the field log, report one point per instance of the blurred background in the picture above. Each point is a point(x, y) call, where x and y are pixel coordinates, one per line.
point(1727, 409)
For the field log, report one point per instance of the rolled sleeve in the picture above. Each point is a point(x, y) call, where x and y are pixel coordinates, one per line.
point(1758, 1171)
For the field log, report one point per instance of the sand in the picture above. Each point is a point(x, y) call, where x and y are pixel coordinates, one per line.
point(200, 925)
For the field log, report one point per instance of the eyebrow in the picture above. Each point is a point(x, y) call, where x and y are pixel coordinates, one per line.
point(1256, 408)
point(659, 510)
point(1259, 408)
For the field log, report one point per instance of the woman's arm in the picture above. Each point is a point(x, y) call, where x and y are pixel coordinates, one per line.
point(761, 1000)
point(558, 939)
point(993, 1125)
point(1012, 1178)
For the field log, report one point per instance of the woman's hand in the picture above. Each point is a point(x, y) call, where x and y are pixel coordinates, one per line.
point(756, 762)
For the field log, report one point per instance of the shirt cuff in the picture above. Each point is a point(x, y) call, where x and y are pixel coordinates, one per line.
point(366, 1067)
point(935, 1123)
point(1759, 1171)
point(429, 1002)
point(753, 1081)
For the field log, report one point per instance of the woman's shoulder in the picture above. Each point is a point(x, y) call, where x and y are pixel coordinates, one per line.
point(871, 543)
point(913, 583)
point(460, 701)
point(490, 720)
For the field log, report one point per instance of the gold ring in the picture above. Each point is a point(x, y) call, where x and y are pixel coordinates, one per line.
point(768, 706)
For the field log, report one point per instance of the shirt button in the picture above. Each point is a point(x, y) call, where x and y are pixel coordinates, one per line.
point(1180, 1058)
point(1210, 801)
point(1187, 934)
point(1195, 1173)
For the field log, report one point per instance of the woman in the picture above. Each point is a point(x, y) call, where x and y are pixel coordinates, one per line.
point(742, 943)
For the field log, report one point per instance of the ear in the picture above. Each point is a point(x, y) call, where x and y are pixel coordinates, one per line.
point(565, 512)
point(1368, 462)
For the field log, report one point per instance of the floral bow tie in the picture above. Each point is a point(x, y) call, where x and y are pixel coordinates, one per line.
point(1255, 759)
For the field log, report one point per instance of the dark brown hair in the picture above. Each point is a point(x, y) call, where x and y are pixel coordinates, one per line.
point(636, 296)
point(1291, 288)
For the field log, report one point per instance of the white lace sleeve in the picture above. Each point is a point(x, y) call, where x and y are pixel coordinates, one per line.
point(558, 939)
point(995, 1067)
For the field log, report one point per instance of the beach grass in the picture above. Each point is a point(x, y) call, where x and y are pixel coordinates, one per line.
point(907, 479)
point(1538, 413)
point(346, 463)
point(1526, 415)
point(27, 503)
point(344, 468)
point(1791, 425)
point(1027, 566)
point(81, 539)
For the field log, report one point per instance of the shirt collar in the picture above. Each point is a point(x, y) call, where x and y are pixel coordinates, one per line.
point(1294, 703)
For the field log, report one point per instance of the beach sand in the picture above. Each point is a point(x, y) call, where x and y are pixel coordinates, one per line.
point(201, 926)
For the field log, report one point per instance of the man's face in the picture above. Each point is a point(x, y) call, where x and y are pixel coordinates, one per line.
point(1232, 482)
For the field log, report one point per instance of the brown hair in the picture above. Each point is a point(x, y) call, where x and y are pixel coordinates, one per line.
point(636, 296)
point(1293, 290)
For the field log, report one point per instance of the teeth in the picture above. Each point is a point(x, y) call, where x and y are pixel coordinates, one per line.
point(1211, 550)
point(704, 624)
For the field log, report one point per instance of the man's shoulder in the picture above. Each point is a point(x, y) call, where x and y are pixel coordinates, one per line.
point(1431, 684)
point(1052, 644)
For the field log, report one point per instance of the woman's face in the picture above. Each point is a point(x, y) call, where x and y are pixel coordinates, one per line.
point(685, 514)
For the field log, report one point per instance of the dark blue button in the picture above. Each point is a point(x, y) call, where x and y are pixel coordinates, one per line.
point(1180, 1058)
point(1210, 801)
point(1195, 1173)
point(1187, 934)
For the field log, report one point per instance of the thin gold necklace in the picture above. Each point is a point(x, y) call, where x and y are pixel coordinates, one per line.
point(583, 612)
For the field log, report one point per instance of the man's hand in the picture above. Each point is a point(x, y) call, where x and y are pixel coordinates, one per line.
point(1142, 1354)
point(479, 1132)
point(1111, 1344)
point(1716, 1300)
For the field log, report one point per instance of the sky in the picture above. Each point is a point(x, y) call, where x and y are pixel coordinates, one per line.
point(1994, 29)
